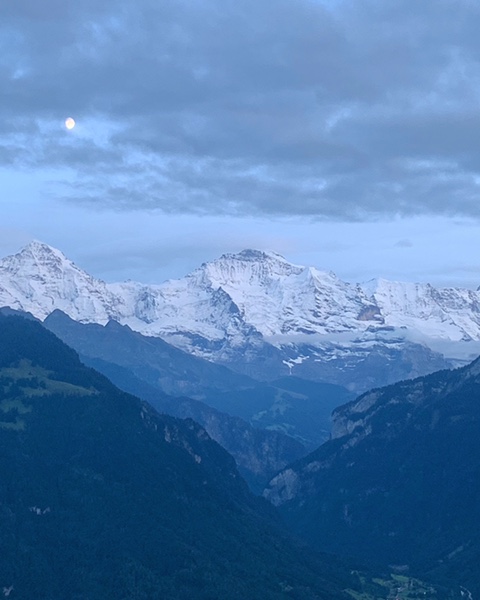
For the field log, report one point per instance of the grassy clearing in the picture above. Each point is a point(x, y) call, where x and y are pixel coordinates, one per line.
point(24, 370)
point(24, 381)
point(16, 404)
point(42, 383)
point(17, 425)
point(57, 387)
point(397, 587)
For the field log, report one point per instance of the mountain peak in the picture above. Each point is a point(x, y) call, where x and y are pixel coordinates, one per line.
point(248, 267)
point(39, 261)
point(38, 248)
point(39, 245)
point(35, 254)
point(252, 254)
point(40, 278)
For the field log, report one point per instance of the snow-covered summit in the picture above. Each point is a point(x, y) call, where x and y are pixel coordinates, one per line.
point(247, 267)
point(278, 297)
point(40, 279)
point(34, 257)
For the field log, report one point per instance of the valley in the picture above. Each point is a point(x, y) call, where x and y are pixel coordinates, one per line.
point(387, 478)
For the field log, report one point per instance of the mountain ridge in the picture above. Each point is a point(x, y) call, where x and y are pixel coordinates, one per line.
point(263, 316)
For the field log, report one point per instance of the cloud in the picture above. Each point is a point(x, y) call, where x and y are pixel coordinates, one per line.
point(403, 244)
point(333, 110)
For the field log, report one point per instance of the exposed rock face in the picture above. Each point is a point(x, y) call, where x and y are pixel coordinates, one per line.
point(259, 453)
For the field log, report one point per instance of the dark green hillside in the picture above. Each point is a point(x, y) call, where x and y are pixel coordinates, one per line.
point(400, 483)
point(102, 498)
point(258, 453)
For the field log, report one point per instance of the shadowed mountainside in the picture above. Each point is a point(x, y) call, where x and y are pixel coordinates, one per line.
point(101, 497)
point(400, 480)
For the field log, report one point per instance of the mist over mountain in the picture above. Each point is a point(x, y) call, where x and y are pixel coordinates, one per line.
point(259, 453)
point(297, 407)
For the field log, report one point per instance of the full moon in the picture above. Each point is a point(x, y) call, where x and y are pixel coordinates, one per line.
point(69, 123)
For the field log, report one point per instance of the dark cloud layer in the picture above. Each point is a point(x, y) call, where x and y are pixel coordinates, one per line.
point(335, 109)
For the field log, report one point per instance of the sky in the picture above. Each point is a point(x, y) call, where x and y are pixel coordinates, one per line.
point(341, 134)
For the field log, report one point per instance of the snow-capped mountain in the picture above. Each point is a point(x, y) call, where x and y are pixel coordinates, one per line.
point(263, 315)
point(40, 279)
point(448, 313)
point(279, 298)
